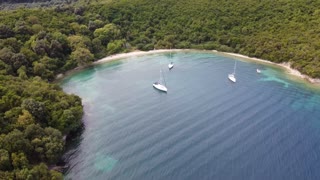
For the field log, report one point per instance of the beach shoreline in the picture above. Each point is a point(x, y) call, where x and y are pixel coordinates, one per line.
point(285, 65)
point(136, 53)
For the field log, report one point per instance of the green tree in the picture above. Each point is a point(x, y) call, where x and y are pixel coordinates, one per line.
point(36, 28)
point(70, 119)
point(6, 175)
point(22, 72)
point(108, 33)
point(34, 131)
point(93, 25)
point(82, 56)
point(24, 119)
point(21, 27)
point(5, 31)
point(15, 142)
point(19, 160)
point(53, 144)
point(5, 55)
point(31, 56)
point(4, 68)
point(39, 69)
point(4, 160)
point(97, 47)
point(12, 43)
point(40, 47)
point(77, 41)
point(40, 172)
point(37, 109)
point(115, 46)
point(18, 60)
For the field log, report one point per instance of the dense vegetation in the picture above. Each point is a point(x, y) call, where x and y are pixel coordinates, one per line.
point(38, 44)
point(43, 42)
point(34, 115)
point(14, 4)
point(22, 1)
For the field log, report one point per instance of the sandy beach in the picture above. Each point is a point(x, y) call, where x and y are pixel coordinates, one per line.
point(286, 66)
point(135, 53)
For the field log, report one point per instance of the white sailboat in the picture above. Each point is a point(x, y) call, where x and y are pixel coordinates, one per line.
point(170, 65)
point(160, 85)
point(232, 77)
point(258, 71)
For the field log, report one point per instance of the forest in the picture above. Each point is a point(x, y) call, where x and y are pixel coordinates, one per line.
point(15, 4)
point(37, 44)
point(34, 116)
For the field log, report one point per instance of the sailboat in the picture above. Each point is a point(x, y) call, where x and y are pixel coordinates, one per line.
point(170, 65)
point(159, 85)
point(232, 76)
point(258, 71)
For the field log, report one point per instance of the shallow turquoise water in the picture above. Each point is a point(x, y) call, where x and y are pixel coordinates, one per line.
point(265, 126)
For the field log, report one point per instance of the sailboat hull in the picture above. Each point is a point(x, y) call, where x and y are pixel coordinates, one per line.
point(170, 66)
point(232, 78)
point(160, 87)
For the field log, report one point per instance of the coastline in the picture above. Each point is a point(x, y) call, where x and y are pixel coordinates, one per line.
point(136, 53)
point(287, 66)
point(115, 57)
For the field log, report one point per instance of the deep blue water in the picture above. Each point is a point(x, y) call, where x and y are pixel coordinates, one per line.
point(265, 126)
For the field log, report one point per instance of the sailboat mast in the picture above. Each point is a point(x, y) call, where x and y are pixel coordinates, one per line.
point(234, 68)
point(164, 80)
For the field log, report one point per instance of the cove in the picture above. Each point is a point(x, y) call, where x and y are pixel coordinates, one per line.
point(264, 126)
